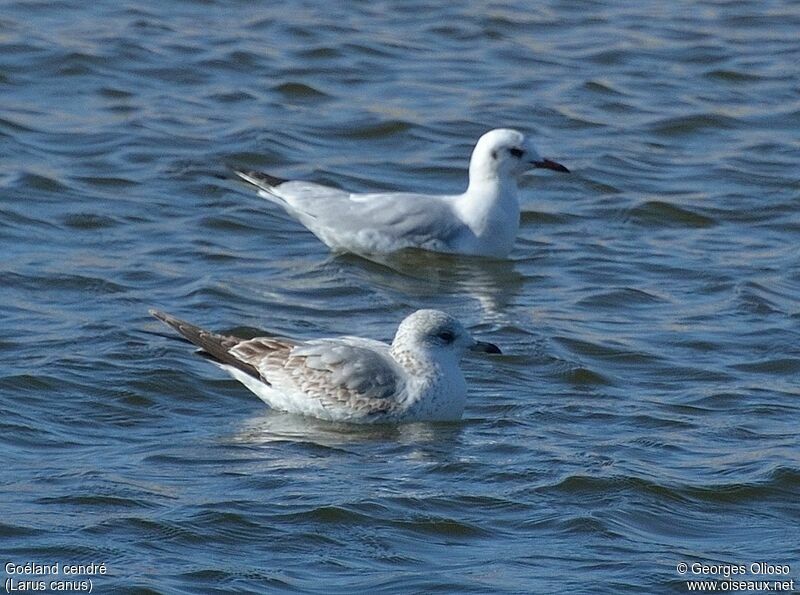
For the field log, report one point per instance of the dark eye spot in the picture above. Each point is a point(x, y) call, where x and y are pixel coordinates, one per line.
point(494, 155)
point(447, 336)
point(516, 152)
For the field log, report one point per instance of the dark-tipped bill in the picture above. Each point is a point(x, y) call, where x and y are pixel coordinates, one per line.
point(486, 347)
point(550, 164)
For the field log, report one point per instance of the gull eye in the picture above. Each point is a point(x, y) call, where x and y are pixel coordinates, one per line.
point(447, 336)
point(516, 152)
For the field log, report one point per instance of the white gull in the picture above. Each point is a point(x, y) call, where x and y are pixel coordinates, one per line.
point(482, 221)
point(351, 379)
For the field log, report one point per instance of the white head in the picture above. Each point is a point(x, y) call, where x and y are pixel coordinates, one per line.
point(504, 153)
point(437, 332)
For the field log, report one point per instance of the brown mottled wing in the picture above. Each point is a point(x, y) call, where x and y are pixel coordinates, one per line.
point(351, 373)
point(219, 348)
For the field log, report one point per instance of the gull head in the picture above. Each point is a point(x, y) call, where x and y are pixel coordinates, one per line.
point(503, 153)
point(434, 331)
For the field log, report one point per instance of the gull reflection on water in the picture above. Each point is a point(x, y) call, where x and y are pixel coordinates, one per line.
point(419, 441)
point(493, 284)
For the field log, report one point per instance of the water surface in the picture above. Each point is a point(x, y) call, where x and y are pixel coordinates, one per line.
point(644, 414)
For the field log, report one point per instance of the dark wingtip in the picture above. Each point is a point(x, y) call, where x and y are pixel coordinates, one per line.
point(258, 178)
point(185, 329)
point(214, 346)
point(162, 316)
point(166, 318)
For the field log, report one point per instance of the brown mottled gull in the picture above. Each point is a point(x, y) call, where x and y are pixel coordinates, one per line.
point(352, 379)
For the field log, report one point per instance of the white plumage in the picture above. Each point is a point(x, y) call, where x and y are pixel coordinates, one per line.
point(482, 221)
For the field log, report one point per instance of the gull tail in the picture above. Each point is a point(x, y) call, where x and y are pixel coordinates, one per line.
point(212, 345)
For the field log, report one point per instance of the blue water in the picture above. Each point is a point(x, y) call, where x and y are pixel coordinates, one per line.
point(645, 412)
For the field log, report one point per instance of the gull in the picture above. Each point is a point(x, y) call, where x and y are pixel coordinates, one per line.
point(351, 379)
point(482, 221)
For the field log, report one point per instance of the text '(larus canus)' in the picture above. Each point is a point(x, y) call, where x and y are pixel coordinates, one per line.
point(483, 221)
point(351, 379)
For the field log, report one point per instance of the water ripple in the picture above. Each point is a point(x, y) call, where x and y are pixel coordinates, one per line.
point(644, 411)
